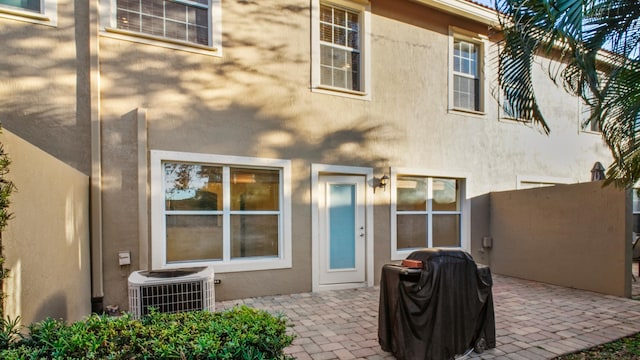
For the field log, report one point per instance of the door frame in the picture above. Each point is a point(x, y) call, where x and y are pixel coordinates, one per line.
point(318, 170)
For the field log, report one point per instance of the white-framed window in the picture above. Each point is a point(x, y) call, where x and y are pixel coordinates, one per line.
point(36, 11)
point(585, 110)
point(428, 209)
point(466, 81)
point(171, 23)
point(506, 112)
point(340, 45)
point(230, 212)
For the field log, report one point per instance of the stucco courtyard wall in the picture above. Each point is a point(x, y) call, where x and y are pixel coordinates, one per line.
point(576, 235)
point(46, 244)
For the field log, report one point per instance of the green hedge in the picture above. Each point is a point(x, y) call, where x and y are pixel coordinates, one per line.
point(239, 333)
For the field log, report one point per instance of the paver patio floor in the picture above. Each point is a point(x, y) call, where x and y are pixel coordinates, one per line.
point(533, 321)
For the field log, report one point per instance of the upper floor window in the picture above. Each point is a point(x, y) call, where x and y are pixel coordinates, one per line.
point(35, 11)
point(507, 110)
point(586, 111)
point(339, 48)
point(466, 62)
point(340, 61)
point(466, 75)
point(193, 23)
point(31, 5)
point(228, 211)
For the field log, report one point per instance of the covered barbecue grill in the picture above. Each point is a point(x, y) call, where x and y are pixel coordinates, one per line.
point(438, 309)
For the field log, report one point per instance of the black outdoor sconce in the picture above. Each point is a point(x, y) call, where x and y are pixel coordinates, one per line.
point(380, 182)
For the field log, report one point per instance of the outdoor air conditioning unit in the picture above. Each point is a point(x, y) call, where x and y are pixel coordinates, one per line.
point(171, 290)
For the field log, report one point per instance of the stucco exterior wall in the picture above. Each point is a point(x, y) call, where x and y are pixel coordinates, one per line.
point(46, 244)
point(43, 71)
point(255, 101)
point(576, 235)
point(100, 101)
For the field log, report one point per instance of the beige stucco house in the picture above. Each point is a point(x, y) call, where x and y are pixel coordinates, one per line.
point(295, 146)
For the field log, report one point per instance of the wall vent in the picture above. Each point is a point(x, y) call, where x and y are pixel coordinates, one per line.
point(171, 290)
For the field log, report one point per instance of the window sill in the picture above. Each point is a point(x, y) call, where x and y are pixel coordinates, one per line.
point(461, 111)
point(237, 265)
point(402, 254)
point(160, 41)
point(330, 90)
point(590, 132)
point(25, 15)
point(512, 120)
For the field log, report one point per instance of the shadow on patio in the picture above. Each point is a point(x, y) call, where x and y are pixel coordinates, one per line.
point(533, 320)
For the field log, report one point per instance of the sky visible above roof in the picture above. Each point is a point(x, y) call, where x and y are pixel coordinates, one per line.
point(489, 3)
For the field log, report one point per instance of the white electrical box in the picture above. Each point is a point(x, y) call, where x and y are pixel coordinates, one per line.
point(124, 258)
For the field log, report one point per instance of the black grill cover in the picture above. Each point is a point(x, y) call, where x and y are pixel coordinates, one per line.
point(436, 312)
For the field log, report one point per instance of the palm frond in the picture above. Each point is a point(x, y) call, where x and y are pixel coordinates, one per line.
point(598, 44)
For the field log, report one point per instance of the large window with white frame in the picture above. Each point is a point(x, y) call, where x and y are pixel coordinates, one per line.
point(38, 11)
point(427, 211)
point(228, 211)
point(340, 45)
point(181, 22)
point(466, 83)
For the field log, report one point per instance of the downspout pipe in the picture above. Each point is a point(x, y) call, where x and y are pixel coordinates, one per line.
point(88, 105)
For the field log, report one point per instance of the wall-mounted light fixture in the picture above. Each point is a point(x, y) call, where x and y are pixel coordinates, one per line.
point(380, 182)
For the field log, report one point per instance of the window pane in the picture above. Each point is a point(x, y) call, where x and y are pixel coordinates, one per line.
point(325, 33)
point(411, 193)
point(339, 17)
point(326, 76)
point(340, 78)
point(152, 7)
point(170, 19)
point(175, 30)
point(339, 36)
point(192, 186)
point(339, 58)
point(254, 235)
point(255, 189)
point(465, 93)
point(326, 55)
point(128, 20)
point(446, 230)
point(412, 231)
point(326, 14)
point(354, 31)
point(33, 5)
point(194, 237)
point(175, 11)
point(355, 71)
point(445, 195)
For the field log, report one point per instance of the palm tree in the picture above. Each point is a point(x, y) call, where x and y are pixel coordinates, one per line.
point(598, 41)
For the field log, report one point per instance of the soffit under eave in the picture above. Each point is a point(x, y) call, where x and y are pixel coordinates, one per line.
point(465, 9)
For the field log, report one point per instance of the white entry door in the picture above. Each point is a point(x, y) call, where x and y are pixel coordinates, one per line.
point(342, 237)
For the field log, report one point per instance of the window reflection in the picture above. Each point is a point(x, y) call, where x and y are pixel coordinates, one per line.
point(192, 187)
point(428, 212)
point(255, 189)
point(196, 213)
point(412, 193)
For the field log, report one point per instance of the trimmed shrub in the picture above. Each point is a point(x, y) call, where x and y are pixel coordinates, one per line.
point(239, 333)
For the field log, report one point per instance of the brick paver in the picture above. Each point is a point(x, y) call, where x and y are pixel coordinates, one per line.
point(533, 321)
